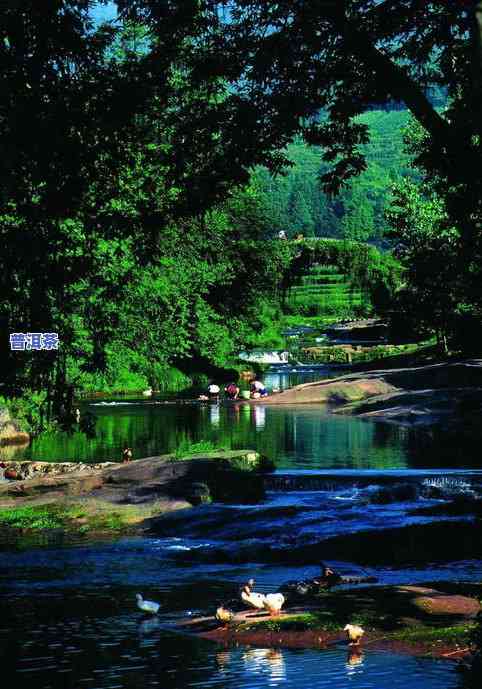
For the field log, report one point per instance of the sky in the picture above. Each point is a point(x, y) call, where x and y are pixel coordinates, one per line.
point(102, 13)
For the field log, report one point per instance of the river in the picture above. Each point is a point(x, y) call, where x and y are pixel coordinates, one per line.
point(68, 612)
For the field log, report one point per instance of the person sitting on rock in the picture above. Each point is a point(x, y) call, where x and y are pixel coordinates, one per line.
point(328, 577)
point(331, 578)
point(127, 455)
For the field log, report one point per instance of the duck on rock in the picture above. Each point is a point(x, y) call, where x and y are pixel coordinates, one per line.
point(224, 615)
point(273, 602)
point(251, 598)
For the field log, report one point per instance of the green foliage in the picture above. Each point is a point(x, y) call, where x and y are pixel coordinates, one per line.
point(39, 517)
point(265, 331)
point(187, 447)
point(29, 410)
point(346, 279)
point(427, 245)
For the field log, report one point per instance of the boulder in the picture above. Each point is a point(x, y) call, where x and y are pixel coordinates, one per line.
point(436, 605)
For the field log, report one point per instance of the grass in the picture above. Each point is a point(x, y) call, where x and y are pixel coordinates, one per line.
point(294, 623)
point(72, 518)
point(187, 447)
point(452, 634)
point(322, 620)
point(328, 622)
point(39, 517)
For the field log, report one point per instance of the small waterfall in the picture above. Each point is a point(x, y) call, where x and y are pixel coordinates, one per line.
point(390, 488)
point(447, 486)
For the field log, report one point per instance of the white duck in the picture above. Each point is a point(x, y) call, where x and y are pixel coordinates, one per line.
point(147, 605)
point(354, 633)
point(273, 602)
point(147, 393)
point(251, 598)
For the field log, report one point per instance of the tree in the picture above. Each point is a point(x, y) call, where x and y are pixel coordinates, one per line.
point(426, 244)
point(286, 62)
point(358, 222)
point(110, 152)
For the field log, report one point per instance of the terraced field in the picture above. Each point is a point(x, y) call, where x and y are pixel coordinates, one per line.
point(324, 291)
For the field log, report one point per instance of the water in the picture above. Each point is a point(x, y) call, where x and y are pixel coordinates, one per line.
point(298, 437)
point(68, 616)
point(69, 621)
point(119, 651)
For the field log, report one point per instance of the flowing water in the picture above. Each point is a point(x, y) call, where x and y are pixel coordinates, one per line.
point(68, 615)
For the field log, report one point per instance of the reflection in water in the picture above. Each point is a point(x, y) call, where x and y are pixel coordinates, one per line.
point(149, 625)
point(223, 659)
point(354, 661)
point(298, 437)
point(268, 662)
point(301, 437)
point(259, 417)
point(214, 415)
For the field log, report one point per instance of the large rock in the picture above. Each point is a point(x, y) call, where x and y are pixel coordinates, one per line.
point(335, 391)
point(235, 476)
point(433, 604)
point(404, 395)
point(11, 434)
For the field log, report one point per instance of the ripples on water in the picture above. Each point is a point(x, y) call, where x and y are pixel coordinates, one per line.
point(128, 651)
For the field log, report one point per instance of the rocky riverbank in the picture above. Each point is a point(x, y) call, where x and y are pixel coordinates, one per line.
point(421, 395)
point(75, 496)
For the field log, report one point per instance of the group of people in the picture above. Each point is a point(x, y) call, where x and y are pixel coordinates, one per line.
point(232, 391)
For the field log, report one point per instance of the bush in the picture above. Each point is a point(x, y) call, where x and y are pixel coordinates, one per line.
point(29, 411)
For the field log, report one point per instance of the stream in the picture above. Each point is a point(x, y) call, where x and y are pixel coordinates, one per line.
point(68, 616)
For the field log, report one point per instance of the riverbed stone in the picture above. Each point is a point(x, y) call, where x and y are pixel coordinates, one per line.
point(418, 395)
point(431, 603)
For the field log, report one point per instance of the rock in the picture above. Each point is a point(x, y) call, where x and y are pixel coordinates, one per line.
point(399, 492)
point(436, 604)
point(12, 475)
point(198, 494)
point(10, 433)
point(236, 476)
point(335, 391)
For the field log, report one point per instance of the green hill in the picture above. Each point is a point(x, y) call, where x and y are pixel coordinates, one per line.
point(296, 202)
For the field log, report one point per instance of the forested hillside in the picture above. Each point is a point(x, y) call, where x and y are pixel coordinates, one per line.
point(297, 204)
